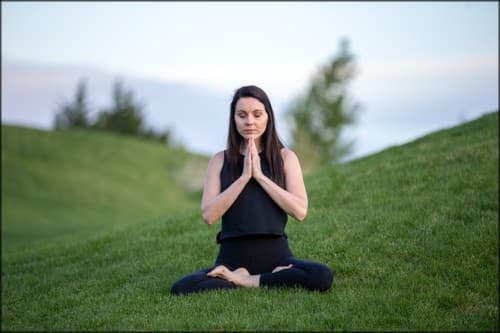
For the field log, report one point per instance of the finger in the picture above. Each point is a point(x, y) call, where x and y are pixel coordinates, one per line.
point(248, 155)
point(251, 146)
point(254, 148)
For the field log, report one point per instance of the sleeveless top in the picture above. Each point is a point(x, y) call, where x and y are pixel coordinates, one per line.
point(253, 212)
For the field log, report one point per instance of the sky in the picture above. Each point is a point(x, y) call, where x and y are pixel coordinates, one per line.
point(421, 66)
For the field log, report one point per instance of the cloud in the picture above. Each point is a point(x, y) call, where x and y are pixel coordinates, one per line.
point(429, 67)
point(279, 79)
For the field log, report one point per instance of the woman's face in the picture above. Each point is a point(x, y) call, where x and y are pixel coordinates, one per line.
point(250, 117)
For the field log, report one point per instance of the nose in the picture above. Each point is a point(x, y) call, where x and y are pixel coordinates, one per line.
point(249, 120)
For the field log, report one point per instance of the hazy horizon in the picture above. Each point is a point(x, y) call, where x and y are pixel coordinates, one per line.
point(421, 66)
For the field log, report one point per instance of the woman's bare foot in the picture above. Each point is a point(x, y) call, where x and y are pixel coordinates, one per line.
point(280, 268)
point(242, 271)
point(240, 277)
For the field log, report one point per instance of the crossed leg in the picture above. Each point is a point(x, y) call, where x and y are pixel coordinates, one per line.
point(291, 272)
point(199, 281)
point(241, 277)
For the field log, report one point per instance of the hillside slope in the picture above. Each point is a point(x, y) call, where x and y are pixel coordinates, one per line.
point(80, 182)
point(411, 233)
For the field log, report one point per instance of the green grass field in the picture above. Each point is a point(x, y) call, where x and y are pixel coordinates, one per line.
point(64, 185)
point(411, 234)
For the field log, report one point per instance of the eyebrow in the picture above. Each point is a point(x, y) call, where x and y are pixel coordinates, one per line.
point(258, 110)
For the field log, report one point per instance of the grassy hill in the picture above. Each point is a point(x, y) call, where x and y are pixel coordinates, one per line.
point(411, 233)
point(70, 184)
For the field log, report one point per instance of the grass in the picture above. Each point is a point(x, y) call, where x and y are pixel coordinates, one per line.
point(64, 185)
point(411, 233)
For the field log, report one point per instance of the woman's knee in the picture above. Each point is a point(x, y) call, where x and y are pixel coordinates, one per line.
point(320, 277)
point(176, 289)
point(323, 278)
point(188, 283)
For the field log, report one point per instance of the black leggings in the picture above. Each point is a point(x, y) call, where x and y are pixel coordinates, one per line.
point(259, 255)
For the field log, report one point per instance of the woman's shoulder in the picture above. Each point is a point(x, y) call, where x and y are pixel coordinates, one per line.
point(218, 158)
point(216, 162)
point(290, 159)
point(287, 153)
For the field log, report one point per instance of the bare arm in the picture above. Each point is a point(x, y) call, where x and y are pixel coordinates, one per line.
point(293, 200)
point(215, 203)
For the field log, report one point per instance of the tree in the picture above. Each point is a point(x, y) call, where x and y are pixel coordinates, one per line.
point(318, 117)
point(165, 136)
point(74, 114)
point(125, 115)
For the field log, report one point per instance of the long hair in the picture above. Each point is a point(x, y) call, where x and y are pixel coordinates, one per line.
point(270, 141)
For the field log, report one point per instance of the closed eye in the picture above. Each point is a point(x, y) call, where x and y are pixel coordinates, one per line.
point(257, 114)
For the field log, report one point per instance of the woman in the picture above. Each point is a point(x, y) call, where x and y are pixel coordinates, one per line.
point(253, 185)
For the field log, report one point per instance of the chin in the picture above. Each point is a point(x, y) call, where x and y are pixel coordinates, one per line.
point(255, 136)
point(248, 136)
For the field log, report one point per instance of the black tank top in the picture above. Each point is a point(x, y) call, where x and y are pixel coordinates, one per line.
point(254, 212)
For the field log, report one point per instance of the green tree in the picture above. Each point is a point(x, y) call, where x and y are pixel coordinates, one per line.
point(76, 113)
point(125, 115)
point(165, 136)
point(318, 117)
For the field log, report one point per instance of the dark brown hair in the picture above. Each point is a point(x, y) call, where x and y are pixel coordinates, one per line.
point(271, 144)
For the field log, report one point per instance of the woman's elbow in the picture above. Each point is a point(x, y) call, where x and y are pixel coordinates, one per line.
point(207, 218)
point(303, 211)
point(300, 215)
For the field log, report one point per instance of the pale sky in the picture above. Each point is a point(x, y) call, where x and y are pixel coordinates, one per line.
point(407, 52)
